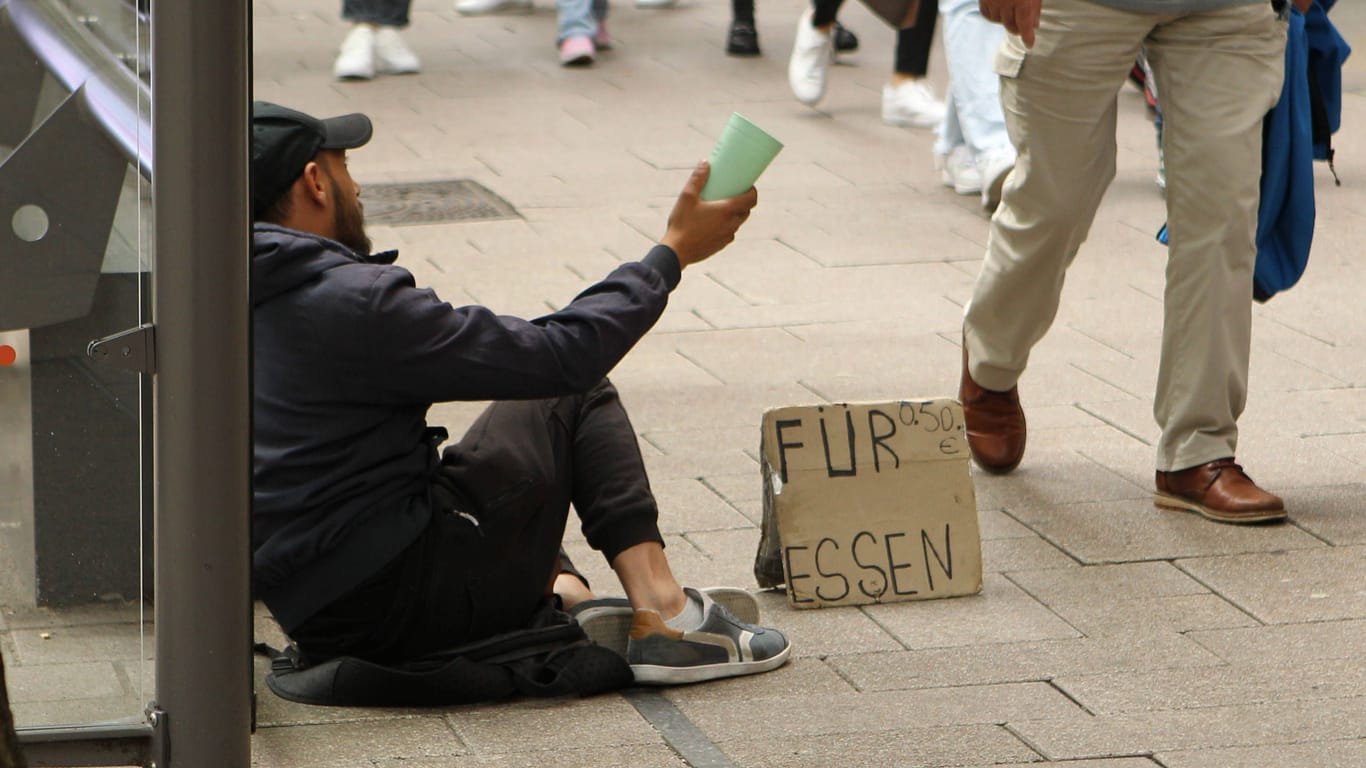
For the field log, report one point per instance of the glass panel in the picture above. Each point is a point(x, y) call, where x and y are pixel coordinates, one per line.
point(75, 458)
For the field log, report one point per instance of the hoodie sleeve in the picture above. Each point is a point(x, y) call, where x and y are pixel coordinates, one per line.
point(425, 350)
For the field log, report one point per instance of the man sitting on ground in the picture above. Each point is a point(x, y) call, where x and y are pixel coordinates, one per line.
point(366, 541)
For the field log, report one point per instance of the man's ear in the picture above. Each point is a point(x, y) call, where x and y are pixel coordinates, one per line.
point(315, 185)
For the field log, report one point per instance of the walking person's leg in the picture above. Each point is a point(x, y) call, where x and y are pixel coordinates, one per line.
point(1059, 103)
point(970, 45)
point(575, 27)
point(812, 51)
point(1218, 73)
point(374, 46)
point(907, 99)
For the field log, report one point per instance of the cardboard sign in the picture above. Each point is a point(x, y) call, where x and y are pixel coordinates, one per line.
point(868, 503)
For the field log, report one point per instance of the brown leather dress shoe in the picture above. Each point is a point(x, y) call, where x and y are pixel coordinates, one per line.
point(996, 423)
point(1219, 490)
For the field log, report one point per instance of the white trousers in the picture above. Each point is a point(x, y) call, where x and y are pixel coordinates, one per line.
point(973, 100)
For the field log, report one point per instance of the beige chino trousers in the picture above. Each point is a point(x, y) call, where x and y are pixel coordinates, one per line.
point(1218, 72)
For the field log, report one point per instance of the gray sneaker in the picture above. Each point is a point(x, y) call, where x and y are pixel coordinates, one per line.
point(723, 646)
point(607, 620)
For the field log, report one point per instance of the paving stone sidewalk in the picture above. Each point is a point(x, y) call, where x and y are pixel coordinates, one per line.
point(1109, 634)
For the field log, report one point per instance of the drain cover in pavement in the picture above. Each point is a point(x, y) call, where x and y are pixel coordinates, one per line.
point(431, 202)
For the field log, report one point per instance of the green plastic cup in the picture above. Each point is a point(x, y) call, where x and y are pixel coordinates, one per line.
point(739, 157)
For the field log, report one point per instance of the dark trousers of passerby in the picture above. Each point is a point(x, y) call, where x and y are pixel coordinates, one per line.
point(912, 44)
point(381, 13)
point(500, 502)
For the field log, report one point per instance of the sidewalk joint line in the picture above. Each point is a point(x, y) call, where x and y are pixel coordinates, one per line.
point(1178, 565)
point(712, 277)
point(1052, 683)
point(1103, 380)
point(813, 390)
point(701, 367)
point(1112, 425)
point(680, 733)
point(1100, 341)
point(780, 241)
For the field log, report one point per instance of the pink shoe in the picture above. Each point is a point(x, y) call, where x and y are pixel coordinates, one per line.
point(577, 51)
point(601, 39)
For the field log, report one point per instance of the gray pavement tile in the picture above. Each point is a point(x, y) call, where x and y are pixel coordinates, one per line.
point(127, 708)
point(1002, 613)
point(1286, 587)
point(800, 677)
point(1181, 613)
point(1186, 729)
point(1115, 762)
point(87, 642)
point(720, 406)
point(736, 488)
point(739, 356)
point(1293, 462)
point(1067, 416)
point(654, 362)
point(1327, 753)
point(1133, 418)
point(853, 364)
point(907, 748)
point(1332, 513)
point(925, 313)
point(688, 506)
point(1117, 693)
point(995, 524)
point(1061, 382)
point(1133, 530)
point(63, 682)
point(41, 617)
point(1015, 554)
point(1056, 472)
point(694, 453)
point(1351, 446)
point(564, 756)
point(728, 560)
point(869, 246)
point(538, 724)
point(996, 663)
point(882, 711)
point(354, 743)
point(1108, 583)
point(1286, 643)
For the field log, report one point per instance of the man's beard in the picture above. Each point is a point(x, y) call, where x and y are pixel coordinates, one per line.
point(349, 221)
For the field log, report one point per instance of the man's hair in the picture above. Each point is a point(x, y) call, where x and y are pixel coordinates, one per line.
point(278, 211)
point(283, 142)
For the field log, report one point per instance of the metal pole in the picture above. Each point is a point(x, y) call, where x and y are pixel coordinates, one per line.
point(200, 121)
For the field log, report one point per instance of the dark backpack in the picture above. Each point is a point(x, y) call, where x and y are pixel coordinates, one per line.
point(551, 657)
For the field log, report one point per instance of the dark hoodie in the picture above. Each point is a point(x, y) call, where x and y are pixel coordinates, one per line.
point(349, 355)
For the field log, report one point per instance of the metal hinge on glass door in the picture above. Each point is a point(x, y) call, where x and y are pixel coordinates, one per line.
point(132, 350)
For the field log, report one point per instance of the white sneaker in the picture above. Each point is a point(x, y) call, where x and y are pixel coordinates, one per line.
point(811, 54)
point(392, 55)
point(911, 104)
point(958, 170)
point(656, 3)
point(357, 58)
point(479, 7)
point(993, 166)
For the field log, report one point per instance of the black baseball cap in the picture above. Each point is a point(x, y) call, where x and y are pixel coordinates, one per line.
point(284, 140)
